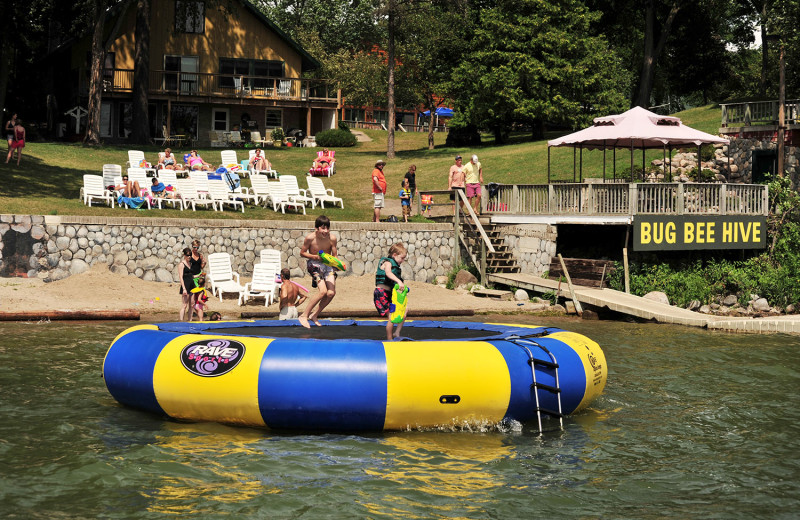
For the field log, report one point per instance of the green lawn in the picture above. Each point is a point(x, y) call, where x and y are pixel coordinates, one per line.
point(51, 174)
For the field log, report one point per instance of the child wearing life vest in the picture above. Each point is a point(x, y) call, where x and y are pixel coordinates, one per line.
point(386, 277)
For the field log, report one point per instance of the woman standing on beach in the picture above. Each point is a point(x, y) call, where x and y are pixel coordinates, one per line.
point(187, 283)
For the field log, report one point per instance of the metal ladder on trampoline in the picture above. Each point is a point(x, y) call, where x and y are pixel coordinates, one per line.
point(523, 342)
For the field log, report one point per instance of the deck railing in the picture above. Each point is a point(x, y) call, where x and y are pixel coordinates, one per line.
point(221, 85)
point(759, 113)
point(627, 199)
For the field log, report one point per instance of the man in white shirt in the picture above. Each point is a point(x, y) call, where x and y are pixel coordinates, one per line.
point(473, 172)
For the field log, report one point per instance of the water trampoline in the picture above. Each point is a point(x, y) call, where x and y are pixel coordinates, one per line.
point(343, 376)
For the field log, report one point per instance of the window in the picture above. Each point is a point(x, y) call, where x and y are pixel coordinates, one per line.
point(273, 118)
point(187, 67)
point(190, 16)
point(219, 119)
point(264, 69)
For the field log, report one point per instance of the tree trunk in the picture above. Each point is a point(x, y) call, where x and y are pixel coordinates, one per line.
point(96, 77)
point(140, 133)
point(431, 109)
point(652, 51)
point(390, 91)
point(6, 50)
point(762, 86)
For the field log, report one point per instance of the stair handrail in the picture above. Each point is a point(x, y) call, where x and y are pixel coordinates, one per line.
point(475, 219)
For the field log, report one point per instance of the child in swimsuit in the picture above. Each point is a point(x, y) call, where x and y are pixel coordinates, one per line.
point(386, 277)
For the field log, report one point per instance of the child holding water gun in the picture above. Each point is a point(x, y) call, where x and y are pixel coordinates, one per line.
point(405, 200)
point(201, 300)
point(323, 276)
point(386, 277)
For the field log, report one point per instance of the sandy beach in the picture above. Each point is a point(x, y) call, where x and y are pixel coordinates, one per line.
point(100, 289)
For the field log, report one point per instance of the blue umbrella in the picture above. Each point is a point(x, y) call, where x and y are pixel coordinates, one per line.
point(441, 112)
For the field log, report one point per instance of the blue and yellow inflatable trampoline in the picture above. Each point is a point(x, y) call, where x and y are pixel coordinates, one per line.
point(341, 377)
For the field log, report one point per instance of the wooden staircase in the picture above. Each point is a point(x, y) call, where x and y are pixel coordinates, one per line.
point(502, 260)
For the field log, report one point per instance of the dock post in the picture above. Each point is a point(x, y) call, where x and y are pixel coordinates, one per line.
point(578, 307)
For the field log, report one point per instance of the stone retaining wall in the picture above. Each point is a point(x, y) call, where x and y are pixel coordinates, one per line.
point(534, 245)
point(54, 247)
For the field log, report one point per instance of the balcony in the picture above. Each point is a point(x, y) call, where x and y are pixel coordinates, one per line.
point(759, 113)
point(179, 85)
point(628, 199)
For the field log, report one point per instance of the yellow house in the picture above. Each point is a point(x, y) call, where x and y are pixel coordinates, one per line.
point(215, 67)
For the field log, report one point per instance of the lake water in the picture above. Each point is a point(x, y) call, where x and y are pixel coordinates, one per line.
point(693, 424)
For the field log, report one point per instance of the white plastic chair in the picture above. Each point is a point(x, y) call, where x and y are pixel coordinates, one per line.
point(279, 198)
point(200, 182)
point(269, 173)
point(109, 172)
point(218, 191)
point(222, 277)
point(93, 189)
point(295, 192)
point(264, 284)
point(135, 158)
point(168, 178)
point(320, 194)
point(259, 188)
point(188, 193)
point(271, 256)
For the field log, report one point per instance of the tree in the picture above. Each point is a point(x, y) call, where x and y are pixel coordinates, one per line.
point(655, 39)
point(430, 51)
point(140, 131)
point(95, 78)
point(533, 62)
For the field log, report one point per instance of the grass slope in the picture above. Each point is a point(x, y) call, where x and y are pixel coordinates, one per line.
point(51, 174)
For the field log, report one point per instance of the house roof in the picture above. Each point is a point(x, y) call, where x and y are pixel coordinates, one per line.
point(636, 128)
point(308, 61)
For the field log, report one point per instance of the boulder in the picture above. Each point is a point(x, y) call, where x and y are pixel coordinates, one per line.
point(705, 309)
point(464, 278)
point(657, 296)
point(694, 305)
point(521, 295)
point(730, 300)
point(761, 305)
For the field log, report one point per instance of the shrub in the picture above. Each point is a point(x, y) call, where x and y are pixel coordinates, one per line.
point(335, 138)
point(344, 126)
point(705, 175)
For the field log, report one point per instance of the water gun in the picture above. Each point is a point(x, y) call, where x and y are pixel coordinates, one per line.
point(397, 310)
point(332, 261)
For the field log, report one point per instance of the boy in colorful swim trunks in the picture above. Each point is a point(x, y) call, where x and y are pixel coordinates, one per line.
point(387, 275)
point(323, 276)
point(290, 296)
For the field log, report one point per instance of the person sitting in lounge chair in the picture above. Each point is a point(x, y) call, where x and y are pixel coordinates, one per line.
point(167, 161)
point(129, 188)
point(197, 163)
point(258, 162)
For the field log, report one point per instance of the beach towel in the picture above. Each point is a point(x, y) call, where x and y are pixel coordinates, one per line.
point(131, 202)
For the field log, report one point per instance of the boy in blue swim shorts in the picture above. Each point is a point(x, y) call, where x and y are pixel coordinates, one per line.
point(323, 276)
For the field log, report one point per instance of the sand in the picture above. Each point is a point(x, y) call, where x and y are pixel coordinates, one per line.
point(100, 289)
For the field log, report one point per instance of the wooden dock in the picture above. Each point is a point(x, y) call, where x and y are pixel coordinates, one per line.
point(608, 299)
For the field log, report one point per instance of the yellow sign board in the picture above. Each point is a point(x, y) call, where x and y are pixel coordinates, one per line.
point(684, 232)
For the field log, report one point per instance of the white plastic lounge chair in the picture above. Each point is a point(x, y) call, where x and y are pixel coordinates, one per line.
point(135, 158)
point(188, 193)
point(168, 178)
point(320, 194)
point(228, 157)
point(269, 173)
point(279, 198)
point(294, 191)
point(109, 172)
point(221, 275)
point(271, 256)
point(218, 191)
point(259, 188)
point(327, 170)
point(200, 182)
point(93, 189)
point(264, 284)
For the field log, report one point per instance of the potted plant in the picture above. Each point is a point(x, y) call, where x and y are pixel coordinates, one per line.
point(278, 136)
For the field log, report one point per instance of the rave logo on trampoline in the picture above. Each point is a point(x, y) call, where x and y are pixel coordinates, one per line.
point(212, 357)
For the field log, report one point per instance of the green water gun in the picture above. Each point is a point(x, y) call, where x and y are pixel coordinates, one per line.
point(332, 261)
point(397, 309)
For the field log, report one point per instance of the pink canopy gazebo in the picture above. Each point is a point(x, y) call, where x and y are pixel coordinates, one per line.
point(635, 129)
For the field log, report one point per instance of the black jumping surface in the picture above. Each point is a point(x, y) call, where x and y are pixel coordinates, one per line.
point(344, 332)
